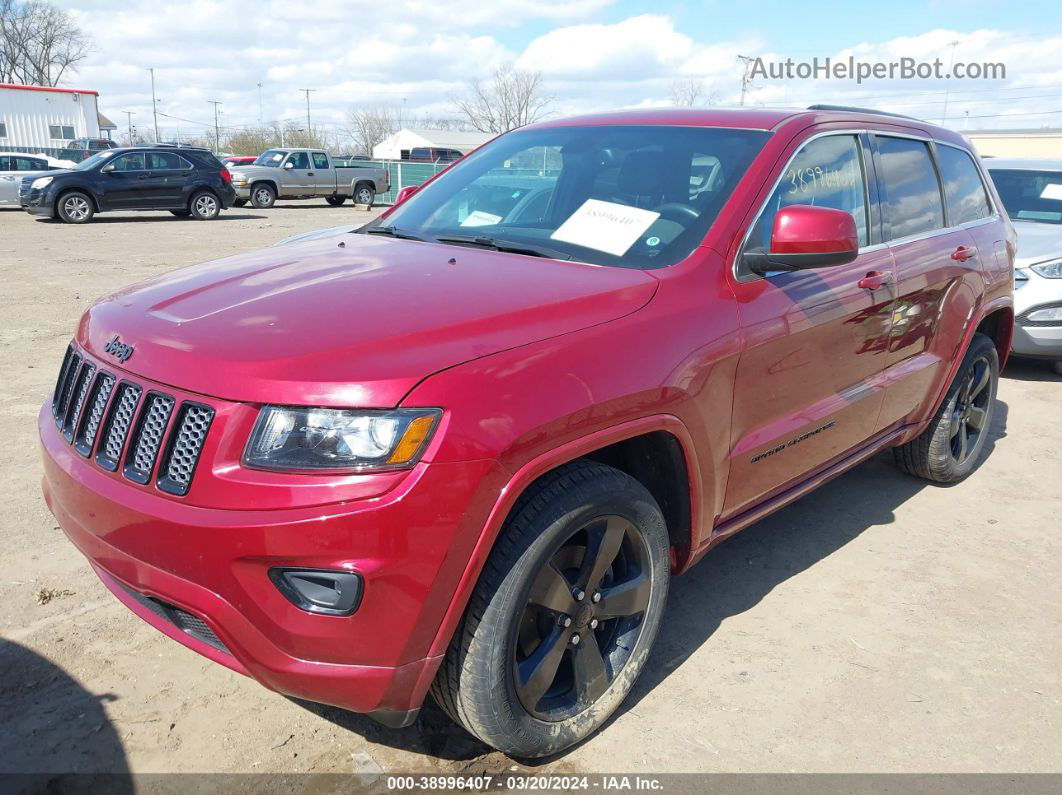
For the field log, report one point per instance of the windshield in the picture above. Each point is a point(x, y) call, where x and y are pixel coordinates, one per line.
point(272, 157)
point(1030, 195)
point(90, 163)
point(633, 197)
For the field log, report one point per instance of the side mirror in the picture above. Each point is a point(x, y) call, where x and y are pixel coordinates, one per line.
point(405, 193)
point(289, 164)
point(808, 237)
point(107, 169)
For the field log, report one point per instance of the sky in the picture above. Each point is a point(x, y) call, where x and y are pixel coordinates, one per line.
point(415, 55)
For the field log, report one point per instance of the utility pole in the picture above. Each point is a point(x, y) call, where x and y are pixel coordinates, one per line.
point(129, 124)
point(947, 86)
point(259, 104)
point(745, 79)
point(217, 130)
point(309, 129)
point(154, 105)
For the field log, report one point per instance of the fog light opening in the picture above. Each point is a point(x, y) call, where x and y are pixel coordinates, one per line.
point(329, 592)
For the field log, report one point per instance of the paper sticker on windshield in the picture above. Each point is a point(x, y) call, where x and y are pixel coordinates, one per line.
point(480, 218)
point(605, 226)
point(1052, 191)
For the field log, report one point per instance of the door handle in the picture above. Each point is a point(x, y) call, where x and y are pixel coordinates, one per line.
point(875, 280)
point(963, 253)
point(309, 173)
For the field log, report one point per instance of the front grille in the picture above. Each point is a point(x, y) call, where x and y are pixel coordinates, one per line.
point(182, 619)
point(128, 426)
point(148, 437)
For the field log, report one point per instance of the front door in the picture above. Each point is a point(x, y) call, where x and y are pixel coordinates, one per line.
point(814, 341)
point(126, 182)
point(297, 176)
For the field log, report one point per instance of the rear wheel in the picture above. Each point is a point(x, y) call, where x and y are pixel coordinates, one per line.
point(562, 619)
point(335, 201)
point(364, 193)
point(263, 196)
point(951, 445)
point(204, 206)
point(75, 207)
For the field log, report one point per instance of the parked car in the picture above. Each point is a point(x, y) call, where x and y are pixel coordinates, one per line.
point(1031, 191)
point(233, 161)
point(187, 181)
point(92, 144)
point(464, 452)
point(431, 154)
point(14, 166)
point(305, 174)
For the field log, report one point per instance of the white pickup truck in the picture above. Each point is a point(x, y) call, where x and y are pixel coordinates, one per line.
point(295, 173)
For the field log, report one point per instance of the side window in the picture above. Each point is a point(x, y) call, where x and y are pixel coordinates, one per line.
point(5, 163)
point(28, 164)
point(299, 160)
point(3, 130)
point(167, 161)
point(963, 189)
point(134, 161)
point(320, 160)
point(826, 172)
point(911, 202)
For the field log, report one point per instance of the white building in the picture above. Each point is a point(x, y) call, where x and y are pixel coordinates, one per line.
point(39, 116)
point(1043, 142)
point(392, 147)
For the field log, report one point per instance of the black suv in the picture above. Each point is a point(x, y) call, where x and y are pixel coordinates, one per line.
point(187, 181)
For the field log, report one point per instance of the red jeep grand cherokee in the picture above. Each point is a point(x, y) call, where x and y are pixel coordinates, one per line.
point(463, 449)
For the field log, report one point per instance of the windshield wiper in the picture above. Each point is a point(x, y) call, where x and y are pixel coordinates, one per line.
point(508, 246)
point(391, 231)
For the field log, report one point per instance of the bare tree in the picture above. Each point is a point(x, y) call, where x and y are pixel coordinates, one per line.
point(511, 98)
point(691, 92)
point(369, 126)
point(39, 43)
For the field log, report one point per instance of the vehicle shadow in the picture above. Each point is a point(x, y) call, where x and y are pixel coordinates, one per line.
point(732, 579)
point(127, 219)
point(1030, 370)
point(57, 736)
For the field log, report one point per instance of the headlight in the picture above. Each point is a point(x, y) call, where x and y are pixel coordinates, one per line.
point(41, 182)
point(314, 439)
point(1049, 270)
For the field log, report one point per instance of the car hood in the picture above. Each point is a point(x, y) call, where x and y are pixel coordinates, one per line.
point(355, 323)
point(1037, 242)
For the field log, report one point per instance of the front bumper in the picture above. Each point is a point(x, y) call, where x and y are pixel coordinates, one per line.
point(1032, 339)
point(411, 546)
point(37, 201)
point(1039, 342)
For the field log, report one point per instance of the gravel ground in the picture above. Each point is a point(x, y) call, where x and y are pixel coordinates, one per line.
point(879, 624)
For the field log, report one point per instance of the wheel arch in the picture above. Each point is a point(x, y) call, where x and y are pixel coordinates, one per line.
point(649, 449)
point(78, 189)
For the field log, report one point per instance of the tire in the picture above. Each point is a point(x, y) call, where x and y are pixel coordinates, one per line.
point(1057, 367)
point(263, 196)
point(74, 207)
point(364, 193)
point(335, 201)
point(204, 205)
point(527, 614)
point(239, 202)
point(952, 444)
point(181, 213)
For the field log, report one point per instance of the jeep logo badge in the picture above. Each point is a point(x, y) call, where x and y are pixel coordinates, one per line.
point(118, 349)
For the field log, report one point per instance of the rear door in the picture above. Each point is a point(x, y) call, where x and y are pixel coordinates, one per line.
point(298, 180)
point(169, 174)
point(323, 175)
point(807, 388)
point(938, 279)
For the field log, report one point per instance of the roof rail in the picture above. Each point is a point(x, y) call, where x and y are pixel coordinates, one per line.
point(853, 109)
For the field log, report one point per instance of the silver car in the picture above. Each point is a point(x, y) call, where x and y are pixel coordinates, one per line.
point(16, 165)
point(1032, 193)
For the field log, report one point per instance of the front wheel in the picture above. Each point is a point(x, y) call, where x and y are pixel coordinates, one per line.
point(335, 201)
point(263, 196)
point(561, 621)
point(75, 207)
point(204, 206)
point(951, 445)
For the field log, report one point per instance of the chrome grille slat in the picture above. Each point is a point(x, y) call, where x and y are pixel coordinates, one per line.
point(90, 424)
point(185, 448)
point(119, 420)
point(147, 440)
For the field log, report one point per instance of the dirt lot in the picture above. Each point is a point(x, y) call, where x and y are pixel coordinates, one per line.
point(877, 625)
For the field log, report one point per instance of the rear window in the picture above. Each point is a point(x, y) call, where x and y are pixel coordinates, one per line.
point(1030, 195)
point(912, 203)
point(963, 188)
